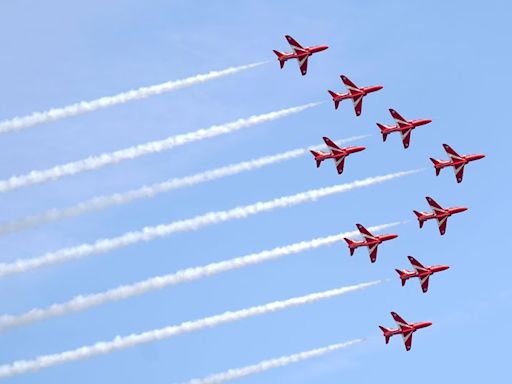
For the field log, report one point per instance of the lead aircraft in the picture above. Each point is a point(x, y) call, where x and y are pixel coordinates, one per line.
point(421, 272)
point(370, 241)
point(299, 52)
point(403, 126)
point(456, 161)
point(439, 213)
point(337, 153)
point(354, 92)
point(404, 328)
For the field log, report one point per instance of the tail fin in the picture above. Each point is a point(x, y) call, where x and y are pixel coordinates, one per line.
point(420, 218)
point(280, 57)
point(336, 102)
point(385, 331)
point(401, 276)
point(384, 131)
point(318, 160)
point(436, 164)
point(350, 243)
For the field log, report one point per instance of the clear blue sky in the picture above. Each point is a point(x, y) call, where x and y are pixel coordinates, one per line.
point(448, 61)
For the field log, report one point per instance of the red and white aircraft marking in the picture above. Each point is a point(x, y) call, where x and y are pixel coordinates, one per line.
point(439, 213)
point(299, 52)
point(403, 126)
point(337, 153)
point(370, 241)
point(456, 161)
point(421, 272)
point(354, 92)
point(404, 328)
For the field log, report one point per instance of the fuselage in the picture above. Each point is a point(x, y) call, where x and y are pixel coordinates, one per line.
point(343, 152)
point(376, 240)
point(413, 327)
point(457, 163)
point(441, 214)
point(308, 51)
point(428, 271)
point(411, 124)
point(363, 91)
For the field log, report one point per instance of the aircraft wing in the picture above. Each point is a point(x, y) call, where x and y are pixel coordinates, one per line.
point(400, 121)
point(424, 283)
point(434, 205)
point(363, 231)
point(406, 137)
point(459, 172)
point(349, 84)
point(399, 320)
point(407, 340)
point(331, 145)
point(358, 104)
point(340, 163)
point(303, 64)
point(451, 153)
point(416, 264)
point(372, 250)
point(441, 222)
point(294, 45)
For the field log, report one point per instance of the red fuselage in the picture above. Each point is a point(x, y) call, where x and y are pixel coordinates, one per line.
point(363, 91)
point(308, 52)
point(378, 239)
point(413, 327)
point(457, 163)
point(411, 124)
point(447, 212)
point(406, 275)
point(343, 152)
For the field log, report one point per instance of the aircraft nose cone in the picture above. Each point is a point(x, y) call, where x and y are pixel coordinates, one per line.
point(427, 121)
point(427, 323)
point(463, 209)
point(378, 87)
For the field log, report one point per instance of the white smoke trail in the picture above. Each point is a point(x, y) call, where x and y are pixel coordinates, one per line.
point(211, 218)
point(83, 302)
point(96, 162)
point(265, 365)
point(148, 191)
point(82, 107)
point(123, 342)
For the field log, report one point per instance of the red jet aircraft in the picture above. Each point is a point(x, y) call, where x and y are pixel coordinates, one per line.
point(300, 53)
point(402, 125)
point(421, 272)
point(370, 241)
point(456, 161)
point(354, 92)
point(337, 153)
point(404, 328)
point(439, 213)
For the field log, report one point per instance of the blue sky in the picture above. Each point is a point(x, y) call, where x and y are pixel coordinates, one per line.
point(448, 61)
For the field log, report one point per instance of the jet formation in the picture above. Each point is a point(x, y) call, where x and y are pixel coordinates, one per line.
point(339, 154)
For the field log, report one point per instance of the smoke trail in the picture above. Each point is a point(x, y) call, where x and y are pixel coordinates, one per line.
point(82, 107)
point(83, 302)
point(265, 365)
point(148, 191)
point(96, 162)
point(211, 218)
point(123, 342)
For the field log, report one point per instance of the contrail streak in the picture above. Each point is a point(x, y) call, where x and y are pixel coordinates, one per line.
point(96, 162)
point(19, 123)
point(123, 342)
point(265, 365)
point(83, 302)
point(147, 191)
point(192, 224)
